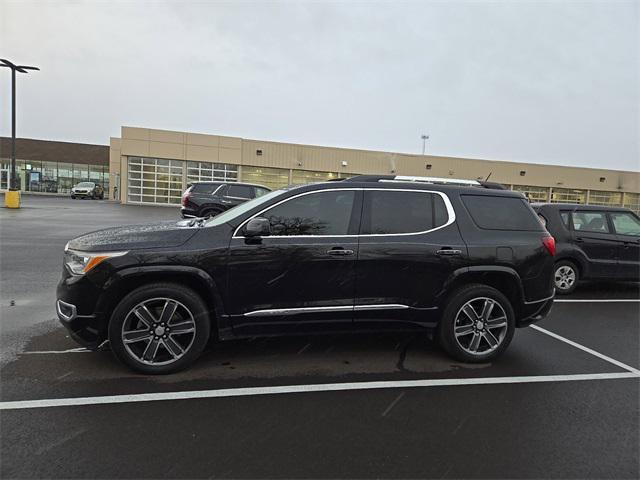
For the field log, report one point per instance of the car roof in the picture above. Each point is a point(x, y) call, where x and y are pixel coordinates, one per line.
point(408, 185)
point(222, 182)
point(579, 206)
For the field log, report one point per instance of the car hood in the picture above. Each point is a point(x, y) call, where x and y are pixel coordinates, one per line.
point(131, 237)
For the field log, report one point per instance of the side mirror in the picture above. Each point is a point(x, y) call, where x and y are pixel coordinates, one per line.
point(257, 227)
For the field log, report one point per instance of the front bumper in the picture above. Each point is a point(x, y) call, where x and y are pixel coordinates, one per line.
point(78, 309)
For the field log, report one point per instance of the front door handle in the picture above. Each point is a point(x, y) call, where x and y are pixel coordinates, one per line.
point(449, 251)
point(339, 251)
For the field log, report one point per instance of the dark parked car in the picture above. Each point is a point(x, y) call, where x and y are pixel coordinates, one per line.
point(87, 190)
point(464, 263)
point(208, 199)
point(592, 243)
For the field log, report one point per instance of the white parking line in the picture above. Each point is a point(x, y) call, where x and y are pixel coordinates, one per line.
point(325, 387)
point(587, 349)
point(596, 300)
point(46, 352)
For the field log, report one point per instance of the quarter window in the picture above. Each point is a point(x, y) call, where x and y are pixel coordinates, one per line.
point(501, 213)
point(322, 213)
point(394, 212)
point(590, 222)
point(626, 223)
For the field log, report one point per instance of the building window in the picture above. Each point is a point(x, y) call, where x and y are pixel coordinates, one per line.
point(154, 180)
point(303, 177)
point(533, 194)
point(568, 195)
point(207, 172)
point(609, 199)
point(274, 178)
point(632, 201)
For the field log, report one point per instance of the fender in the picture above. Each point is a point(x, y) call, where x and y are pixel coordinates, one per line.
point(204, 279)
point(460, 272)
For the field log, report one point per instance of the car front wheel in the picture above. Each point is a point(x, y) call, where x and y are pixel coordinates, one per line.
point(477, 324)
point(159, 328)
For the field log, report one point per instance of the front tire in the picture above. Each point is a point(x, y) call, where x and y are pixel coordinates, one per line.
point(477, 324)
point(565, 277)
point(159, 328)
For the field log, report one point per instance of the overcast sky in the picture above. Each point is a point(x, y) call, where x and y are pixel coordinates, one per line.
point(545, 82)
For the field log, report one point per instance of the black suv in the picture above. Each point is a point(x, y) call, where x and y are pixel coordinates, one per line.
point(208, 199)
point(592, 243)
point(464, 263)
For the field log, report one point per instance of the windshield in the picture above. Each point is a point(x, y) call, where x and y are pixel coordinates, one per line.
point(85, 184)
point(242, 208)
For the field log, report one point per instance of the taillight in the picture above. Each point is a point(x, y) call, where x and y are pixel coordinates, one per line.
point(550, 243)
point(185, 197)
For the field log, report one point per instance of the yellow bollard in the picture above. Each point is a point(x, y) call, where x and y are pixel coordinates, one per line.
point(12, 199)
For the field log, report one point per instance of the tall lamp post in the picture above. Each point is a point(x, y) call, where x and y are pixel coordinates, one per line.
point(12, 197)
point(424, 142)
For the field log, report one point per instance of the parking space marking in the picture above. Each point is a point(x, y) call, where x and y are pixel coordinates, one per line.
point(324, 387)
point(587, 349)
point(597, 300)
point(47, 352)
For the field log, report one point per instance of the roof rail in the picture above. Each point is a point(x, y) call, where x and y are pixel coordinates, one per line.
point(432, 180)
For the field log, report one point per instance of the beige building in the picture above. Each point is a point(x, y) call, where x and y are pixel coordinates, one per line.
point(154, 167)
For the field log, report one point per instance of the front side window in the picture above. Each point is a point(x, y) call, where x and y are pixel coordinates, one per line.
point(626, 223)
point(319, 213)
point(240, 191)
point(590, 222)
point(261, 191)
point(396, 212)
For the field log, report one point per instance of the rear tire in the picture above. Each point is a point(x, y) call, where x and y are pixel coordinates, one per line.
point(159, 328)
point(477, 324)
point(565, 277)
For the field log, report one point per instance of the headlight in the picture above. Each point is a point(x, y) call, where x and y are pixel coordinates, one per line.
point(80, 263)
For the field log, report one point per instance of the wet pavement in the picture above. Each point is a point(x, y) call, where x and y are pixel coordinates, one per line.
point(551, 407)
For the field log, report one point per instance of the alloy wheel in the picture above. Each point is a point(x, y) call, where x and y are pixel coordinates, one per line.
point(158, 331)
point(565, 277)
point(480, 326)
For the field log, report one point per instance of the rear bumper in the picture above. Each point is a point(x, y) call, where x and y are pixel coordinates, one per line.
point(533, 312)
point(188, 213)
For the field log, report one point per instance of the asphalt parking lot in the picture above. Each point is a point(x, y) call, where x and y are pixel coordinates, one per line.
point(563, 402)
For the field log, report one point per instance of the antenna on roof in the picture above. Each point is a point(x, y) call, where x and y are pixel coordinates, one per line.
point(487, 179)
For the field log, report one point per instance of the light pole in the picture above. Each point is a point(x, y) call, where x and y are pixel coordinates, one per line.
point(424, 142)
point(12, 198)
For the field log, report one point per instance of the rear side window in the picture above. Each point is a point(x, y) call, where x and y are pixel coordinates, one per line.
point(564, 216)
point(206, 188)
point(240, 191)
point(394, 212)
point(590, 222)
point(501, 213)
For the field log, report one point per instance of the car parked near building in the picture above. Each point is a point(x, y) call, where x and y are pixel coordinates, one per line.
point(87, 190)
point(592, 242)
point(462, 262)
point(208, 199)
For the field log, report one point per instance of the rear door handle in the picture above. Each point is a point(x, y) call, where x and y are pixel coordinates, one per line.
point(449, 251)
point(339, 251)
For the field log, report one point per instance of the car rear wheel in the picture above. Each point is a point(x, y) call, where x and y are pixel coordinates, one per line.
point(566, 277)
point(159, 328)
point(477, 324)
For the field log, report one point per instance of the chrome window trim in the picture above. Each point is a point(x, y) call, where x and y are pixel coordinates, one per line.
point(338, 308)
point(451, 214)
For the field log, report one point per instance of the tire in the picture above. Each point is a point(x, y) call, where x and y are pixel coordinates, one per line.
point(565, 277)
point(170, 352)
point(457, 332)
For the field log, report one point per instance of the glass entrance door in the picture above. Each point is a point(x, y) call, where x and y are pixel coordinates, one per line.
point(4, 178)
